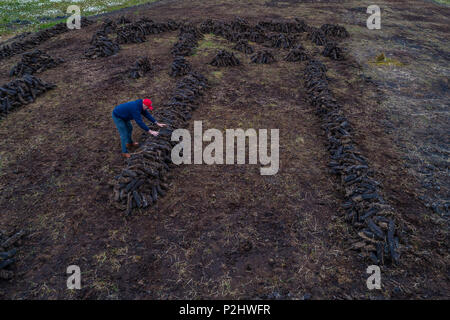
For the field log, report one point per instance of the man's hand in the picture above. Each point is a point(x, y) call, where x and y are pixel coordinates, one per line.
point(161, 124)
point(154, 133)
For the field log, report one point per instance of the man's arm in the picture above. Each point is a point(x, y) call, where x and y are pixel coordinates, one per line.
point(149, 117)
point(137, 117)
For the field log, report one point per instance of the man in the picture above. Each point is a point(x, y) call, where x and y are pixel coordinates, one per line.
point(133, 110)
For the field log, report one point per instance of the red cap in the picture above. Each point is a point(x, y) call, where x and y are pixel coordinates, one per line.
point(148, 103)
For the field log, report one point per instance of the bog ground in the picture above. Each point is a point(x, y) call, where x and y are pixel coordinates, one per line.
point(225, 231)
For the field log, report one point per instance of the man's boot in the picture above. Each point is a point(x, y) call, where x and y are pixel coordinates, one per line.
point(133, 145)
point(126, 155)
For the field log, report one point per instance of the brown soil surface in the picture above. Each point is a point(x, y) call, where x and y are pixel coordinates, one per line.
point(221, 231)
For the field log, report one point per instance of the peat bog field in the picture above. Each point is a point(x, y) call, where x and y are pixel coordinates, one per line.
point(363, 153)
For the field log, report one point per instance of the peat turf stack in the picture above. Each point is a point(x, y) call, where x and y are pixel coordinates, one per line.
point(179, 67)
point(218, 28)
point(136, 32)
point(364, 206)
point(36, 39)
point(317, 36)
point(284, 27)
point(244, 47)
point(140, 68)
point(7, 253)
point(240, 25)
point(151, 27)
point(187, 41)
point(296, 55)
point(263, 56)
point(225, 59)
point(20, 92)
point(236, 36)
point(102, 46)
point(282, 41)
point(333, 30)
point(108, 26)
point(130, 33)
point(98, 34)
point(144, 180)
point(258, 37)
point(35, 61)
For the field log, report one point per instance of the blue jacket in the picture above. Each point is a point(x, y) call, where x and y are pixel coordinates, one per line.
point(133, 111)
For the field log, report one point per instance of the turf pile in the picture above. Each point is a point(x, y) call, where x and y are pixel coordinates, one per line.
point(35, 61)
point(7, 253)
point(140, 68)
point(131, 33)
point(285, 27)
point(327, 36)
point(179, 67)
point(225, 59)
point(263, 56)
point(236, 36)
point(144, 180)
point(126, 32)
point(150, 27)
point(35, 39)
point(257, 36)
point(97, 35)
point(317, 36)
point(123, 20)
point(240, 25)
point(282, 41)
point(332, 30)
point(218, 28)
point(364, 206)
point(108, 26)
point(20, 92)
point(136, 32)
point(102, 46)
